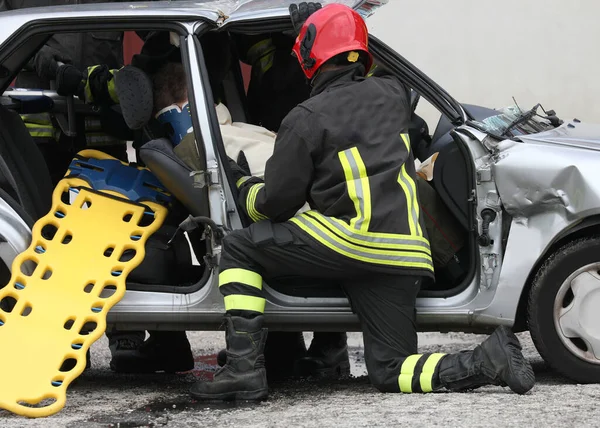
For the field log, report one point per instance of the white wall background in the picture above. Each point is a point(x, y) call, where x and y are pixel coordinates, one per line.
point(484, 51)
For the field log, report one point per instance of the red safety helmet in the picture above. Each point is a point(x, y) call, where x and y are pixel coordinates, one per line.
point(330, 31)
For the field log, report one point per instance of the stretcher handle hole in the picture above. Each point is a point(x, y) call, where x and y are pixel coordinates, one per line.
point(147, 219)
point(67, 238)
point(108, 252)
point(19, 284)
point(26, 311)
point(7, 304)
point(57, 381)
point(40, 249)
point(69, 323)
point(127, 217)
point(108, 291)
point(2, 321)
point(89, 287)
point(28, 267)
point(86, 204)
point(136, 236)
point(59, 214)
point(87, 328)
point(97, 308)
point(65, 197)
point(47, 274)
point(116, 272)
point(49, 231)
point(127, 255)
point(67, 365)
point(46, 402)
point(77, 346)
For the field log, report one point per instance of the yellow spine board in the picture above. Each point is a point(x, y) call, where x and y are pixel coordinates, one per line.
point(71, 289)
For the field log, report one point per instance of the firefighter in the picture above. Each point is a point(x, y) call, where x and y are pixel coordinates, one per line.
point(346, 151)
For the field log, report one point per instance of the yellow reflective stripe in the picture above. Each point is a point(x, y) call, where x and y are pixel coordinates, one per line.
point(37, 118)
point(40, 131)
point(251, 201)
point(373, 68)
point(351, 186)
point(389, 240)
point(426, 378)
point(372, 249)
point(88, 90)
point(241, 181)
point(264, 53)
point(244, 303)
point(368, 255)
point(38, 134)
point(243, 276)
point(112, 90)
point(410, 190)
point(407, 371)
point(357, 182)
point(368, 239)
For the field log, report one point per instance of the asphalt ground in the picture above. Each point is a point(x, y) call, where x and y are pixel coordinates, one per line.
point(101, 398)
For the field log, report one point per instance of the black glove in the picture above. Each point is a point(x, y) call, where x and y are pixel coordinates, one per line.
point(69, 81)
point(46, 61)
point(301, 11)
point(243, 162)
point(238, 171)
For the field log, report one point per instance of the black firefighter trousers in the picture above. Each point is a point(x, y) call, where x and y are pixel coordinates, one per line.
point(383, 302)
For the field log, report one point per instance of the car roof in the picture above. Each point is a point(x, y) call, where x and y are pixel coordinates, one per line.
point(218, 11)
point(198, 8)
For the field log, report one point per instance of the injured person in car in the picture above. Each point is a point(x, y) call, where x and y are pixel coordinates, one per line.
point(241, 140)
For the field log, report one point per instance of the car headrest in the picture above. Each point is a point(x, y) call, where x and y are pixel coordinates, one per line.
point(134, 89)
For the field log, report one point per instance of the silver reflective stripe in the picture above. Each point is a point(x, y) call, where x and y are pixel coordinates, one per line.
point(368, 255)
point(410, 200)
point(369, 239)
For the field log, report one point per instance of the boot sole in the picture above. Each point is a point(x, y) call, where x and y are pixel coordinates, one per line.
point(520, 377)
point(258, 395)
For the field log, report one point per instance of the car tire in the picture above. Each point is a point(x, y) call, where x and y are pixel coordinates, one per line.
point(552, 296)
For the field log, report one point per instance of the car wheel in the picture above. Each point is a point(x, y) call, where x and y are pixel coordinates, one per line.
point(564, 310)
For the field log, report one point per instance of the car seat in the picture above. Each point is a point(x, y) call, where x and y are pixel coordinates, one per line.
point(166, 263)
point(24, 175)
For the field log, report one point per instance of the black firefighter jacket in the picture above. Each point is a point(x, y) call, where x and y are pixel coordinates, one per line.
point(346, 152)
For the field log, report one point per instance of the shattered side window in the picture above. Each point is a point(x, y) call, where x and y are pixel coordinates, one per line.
point(511, 121)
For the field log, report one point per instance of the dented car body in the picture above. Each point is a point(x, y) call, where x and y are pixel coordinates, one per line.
point(528, 201)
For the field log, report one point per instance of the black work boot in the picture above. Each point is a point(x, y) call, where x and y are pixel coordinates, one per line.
point(282, 351)
point(243, 377)
point(327, 357)
point(167, 351)
point(497, 361)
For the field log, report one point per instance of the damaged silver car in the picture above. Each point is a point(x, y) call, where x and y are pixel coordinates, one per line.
point(521, 186)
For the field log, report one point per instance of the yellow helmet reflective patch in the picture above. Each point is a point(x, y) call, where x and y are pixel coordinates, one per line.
point(353, 56)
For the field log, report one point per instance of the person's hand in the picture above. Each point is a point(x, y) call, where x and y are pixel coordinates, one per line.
point(300, 13)
point(69, 81)
point(45, 62)
point(238, 171)
point(243, 163)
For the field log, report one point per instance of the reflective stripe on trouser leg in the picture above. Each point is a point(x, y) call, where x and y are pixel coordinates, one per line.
point(242, 290)
point(418, 371)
